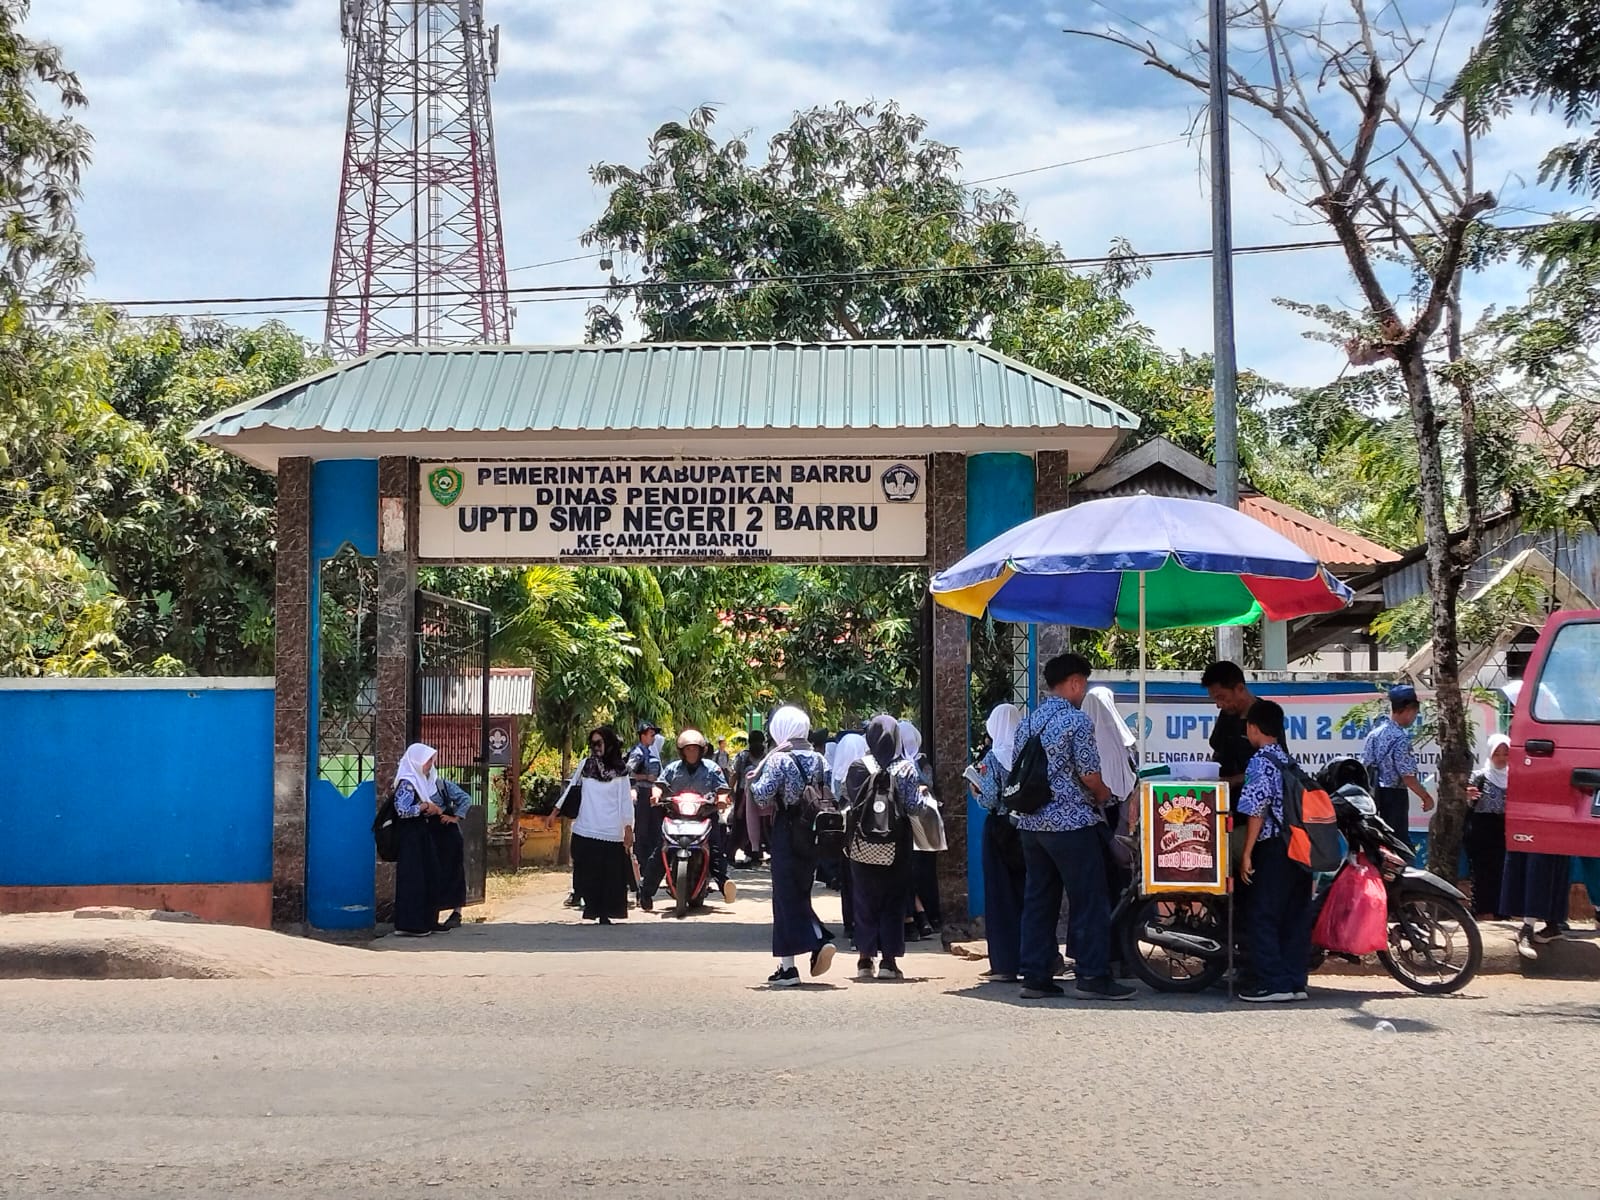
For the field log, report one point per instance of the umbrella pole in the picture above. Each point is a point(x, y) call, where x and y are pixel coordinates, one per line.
point(1141, 672)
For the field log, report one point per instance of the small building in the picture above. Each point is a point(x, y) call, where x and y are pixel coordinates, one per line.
point(1160, 467)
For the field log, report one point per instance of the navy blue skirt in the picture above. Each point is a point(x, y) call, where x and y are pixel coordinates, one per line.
point(795, 928)
point(416, 878)
point(1536, 887)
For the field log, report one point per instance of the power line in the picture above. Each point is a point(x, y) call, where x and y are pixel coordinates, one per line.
point(1076, 162)
point(555, 293)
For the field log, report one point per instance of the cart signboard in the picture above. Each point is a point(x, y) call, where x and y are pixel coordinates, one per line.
point(1184, 834)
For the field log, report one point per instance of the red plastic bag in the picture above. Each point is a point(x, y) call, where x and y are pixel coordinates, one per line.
point(1355, 918)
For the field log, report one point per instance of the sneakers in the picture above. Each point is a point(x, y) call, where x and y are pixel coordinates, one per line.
point(414, 932)
point(1104, 989)
point(1042, 989)
point(1302, 994)
point(998, 977)
point(571, 901)
point(453, 921)
point(864, 971)
point(1263, 996)
point(1548, 934)
point(646, 903)
point(784, 977)
point(889, 971)
point(1525, 946)
point(730, 891)
point(821, 959)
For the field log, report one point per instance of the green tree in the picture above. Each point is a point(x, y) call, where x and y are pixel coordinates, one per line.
point(1341, 100)
point(56, 615)
point(184, 531)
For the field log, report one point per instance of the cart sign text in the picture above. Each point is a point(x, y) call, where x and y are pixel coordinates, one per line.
point(659, 509)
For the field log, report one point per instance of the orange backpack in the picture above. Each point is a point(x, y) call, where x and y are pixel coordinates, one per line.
point(1309, 824)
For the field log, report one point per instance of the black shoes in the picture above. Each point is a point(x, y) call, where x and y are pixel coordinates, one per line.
point(1104, 988)
point(821, 959)
point(1042, 989)
point(453, 921)
point(784, 977)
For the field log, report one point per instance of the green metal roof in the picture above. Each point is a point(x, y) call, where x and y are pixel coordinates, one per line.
point(701, 398)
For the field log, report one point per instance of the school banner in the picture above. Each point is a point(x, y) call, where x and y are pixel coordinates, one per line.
point(644, 510)
point(1178, 728)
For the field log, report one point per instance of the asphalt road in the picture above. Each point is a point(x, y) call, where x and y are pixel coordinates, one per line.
point(533, 1062)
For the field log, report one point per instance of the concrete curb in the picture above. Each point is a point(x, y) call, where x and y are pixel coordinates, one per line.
point(1576, 957)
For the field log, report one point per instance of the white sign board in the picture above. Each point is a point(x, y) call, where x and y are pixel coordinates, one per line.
point(1178, 729)
point(661, 509)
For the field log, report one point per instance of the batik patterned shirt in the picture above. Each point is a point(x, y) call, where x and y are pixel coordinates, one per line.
point(1388, 755)
point(1262, 792)
point(779, 782)
point(1071, 753)
point(1491, 796)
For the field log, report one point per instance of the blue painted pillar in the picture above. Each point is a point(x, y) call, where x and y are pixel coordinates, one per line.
point(339, 853)
point(1000, 496)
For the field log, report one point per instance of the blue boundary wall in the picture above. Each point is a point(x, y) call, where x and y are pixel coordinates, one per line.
point(339, 857)
point(148, 792)
point(1000, 496)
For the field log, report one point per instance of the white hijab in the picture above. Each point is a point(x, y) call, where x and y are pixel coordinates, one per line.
point(910, 741)
point(1496, 775)
point(852, 749)
point(789, 725)
point(1002, 725)
point(416, 768)
point(1114, 740)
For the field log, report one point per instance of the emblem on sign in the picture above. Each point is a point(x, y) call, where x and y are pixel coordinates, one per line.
point(900, 484)
point(445, 485)
point(499, 739)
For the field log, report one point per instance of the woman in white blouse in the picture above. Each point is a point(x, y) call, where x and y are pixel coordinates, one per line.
point(602, 832)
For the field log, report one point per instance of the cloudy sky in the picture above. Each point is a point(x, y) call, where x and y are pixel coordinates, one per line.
point(219, 128)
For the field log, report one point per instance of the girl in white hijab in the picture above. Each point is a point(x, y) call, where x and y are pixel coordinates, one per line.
point(775, 787)
point(1115, 741)
point(1004, 877)
point(416, 870)
point(922, 912)
point(1486, 827)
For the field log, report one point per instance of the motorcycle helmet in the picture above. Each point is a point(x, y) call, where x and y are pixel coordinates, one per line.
point(692, 737)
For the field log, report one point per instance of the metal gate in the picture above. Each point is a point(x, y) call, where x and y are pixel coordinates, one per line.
point(450, 712)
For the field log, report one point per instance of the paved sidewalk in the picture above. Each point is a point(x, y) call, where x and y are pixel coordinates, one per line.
point(531, 935)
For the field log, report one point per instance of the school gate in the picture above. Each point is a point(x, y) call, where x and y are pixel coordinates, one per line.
point(895, 452)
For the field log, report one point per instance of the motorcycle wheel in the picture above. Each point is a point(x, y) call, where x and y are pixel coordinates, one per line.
point(682, 885)
point(1453, 951)
point(1166, 969)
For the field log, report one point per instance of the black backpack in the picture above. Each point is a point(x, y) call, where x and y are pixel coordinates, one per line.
point(386, 830)
point(878, 815)
point(1027, 788)
point(818, 825)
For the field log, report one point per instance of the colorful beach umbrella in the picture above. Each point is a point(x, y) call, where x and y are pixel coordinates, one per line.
point(1140, 563)
point(1199, 564)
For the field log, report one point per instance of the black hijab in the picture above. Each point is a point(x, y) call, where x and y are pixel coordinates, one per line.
point(609, 764)
point(883, 739)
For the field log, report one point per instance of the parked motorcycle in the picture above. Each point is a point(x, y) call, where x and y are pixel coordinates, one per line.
point(1179, 943)
point(686, 848)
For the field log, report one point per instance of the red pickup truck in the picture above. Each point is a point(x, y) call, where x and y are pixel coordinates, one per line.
point(1553, 801)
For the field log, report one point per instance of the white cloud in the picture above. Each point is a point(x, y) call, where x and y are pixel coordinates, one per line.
point(219, 132)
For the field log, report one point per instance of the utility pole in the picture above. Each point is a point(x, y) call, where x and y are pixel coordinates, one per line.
point(1225, 370)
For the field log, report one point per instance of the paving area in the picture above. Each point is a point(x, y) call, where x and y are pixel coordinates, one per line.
point(533, 1056)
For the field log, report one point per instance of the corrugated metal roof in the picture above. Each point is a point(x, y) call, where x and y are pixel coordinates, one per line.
point(1335, 548)
point(1163, 468)
point(439, 398)
point(511, 694)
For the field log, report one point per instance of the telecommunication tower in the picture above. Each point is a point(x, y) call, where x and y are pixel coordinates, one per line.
point(418, 257)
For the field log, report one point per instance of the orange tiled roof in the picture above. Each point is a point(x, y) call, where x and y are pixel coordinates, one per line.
point(1337, 549)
